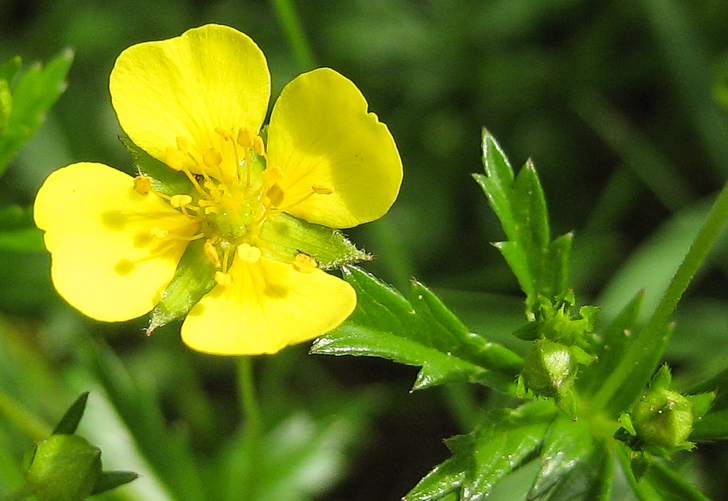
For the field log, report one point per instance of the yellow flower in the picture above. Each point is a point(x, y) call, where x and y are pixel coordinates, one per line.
point(122, 246)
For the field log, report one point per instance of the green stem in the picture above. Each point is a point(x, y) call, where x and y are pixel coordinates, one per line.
point(23, 419)
point(248, 398)
point(245, 486)
point(623, 385)
point(291, 24)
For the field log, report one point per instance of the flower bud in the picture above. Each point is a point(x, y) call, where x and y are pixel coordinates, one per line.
point(63, 468)
point(549, 369)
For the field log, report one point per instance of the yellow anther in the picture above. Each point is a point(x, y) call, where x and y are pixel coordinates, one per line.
point(245, 138)
point(272, 175)
point(259, 146)
point(183, 145)
point(322, 189)
point(212, 157)
point(223, 279)
point(304, 263)
point(175, 158)
point(158, 232)
point(143, 185)
point(178, 201)
point(211, 253)
point(225, 134)
point(275, 194)
point(248, 253)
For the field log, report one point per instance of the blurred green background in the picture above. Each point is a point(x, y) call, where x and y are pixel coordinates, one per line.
point(617, 103)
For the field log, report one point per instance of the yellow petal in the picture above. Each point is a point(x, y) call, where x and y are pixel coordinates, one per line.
point(207, 78)
point(268, 306)
point(321, 136)
point(106, 260)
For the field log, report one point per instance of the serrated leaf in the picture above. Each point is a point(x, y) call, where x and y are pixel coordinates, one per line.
point(422, 333)
point(289, 235)
point(539, 264)
point(69, 422)
point(589, 480)
point(193, 278)
point(567, 443)
point(113, 479)
point(503, 443)
point(34, 92)
point(445, 479)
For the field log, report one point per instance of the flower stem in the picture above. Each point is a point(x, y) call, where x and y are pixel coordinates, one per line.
point(248, 397)
point(291, 24)
point(630, 377)
point(22, 418)
point(247, 485)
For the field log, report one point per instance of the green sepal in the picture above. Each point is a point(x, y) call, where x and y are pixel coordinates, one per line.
point(69, 422)
point(113, 479)
point(33, 93)
point(194, 277)
point(288, 235)
point(164, 179)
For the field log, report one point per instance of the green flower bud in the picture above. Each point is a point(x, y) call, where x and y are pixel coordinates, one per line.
point(663, 417)
point(63, 468)
point(549, 369)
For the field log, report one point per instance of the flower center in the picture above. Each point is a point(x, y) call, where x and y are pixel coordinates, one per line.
point(233, 196)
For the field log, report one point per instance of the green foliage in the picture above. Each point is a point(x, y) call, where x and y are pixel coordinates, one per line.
point(539, 263)
point(420, 332)
point(25, 98)
point(568, 427)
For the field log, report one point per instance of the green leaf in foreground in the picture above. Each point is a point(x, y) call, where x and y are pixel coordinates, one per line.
point(484, 457)
point(32, 94)
point(420, 332)
point(540, 265)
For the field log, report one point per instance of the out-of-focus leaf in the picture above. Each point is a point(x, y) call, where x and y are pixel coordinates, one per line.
point(422, 332)
point(539, 264)
point(615, 340)
point(712, 426)
point(18, 232)
point(33, 93)
point(301, 457)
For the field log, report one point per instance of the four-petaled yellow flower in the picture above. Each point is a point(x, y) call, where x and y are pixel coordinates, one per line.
point(197, 103)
